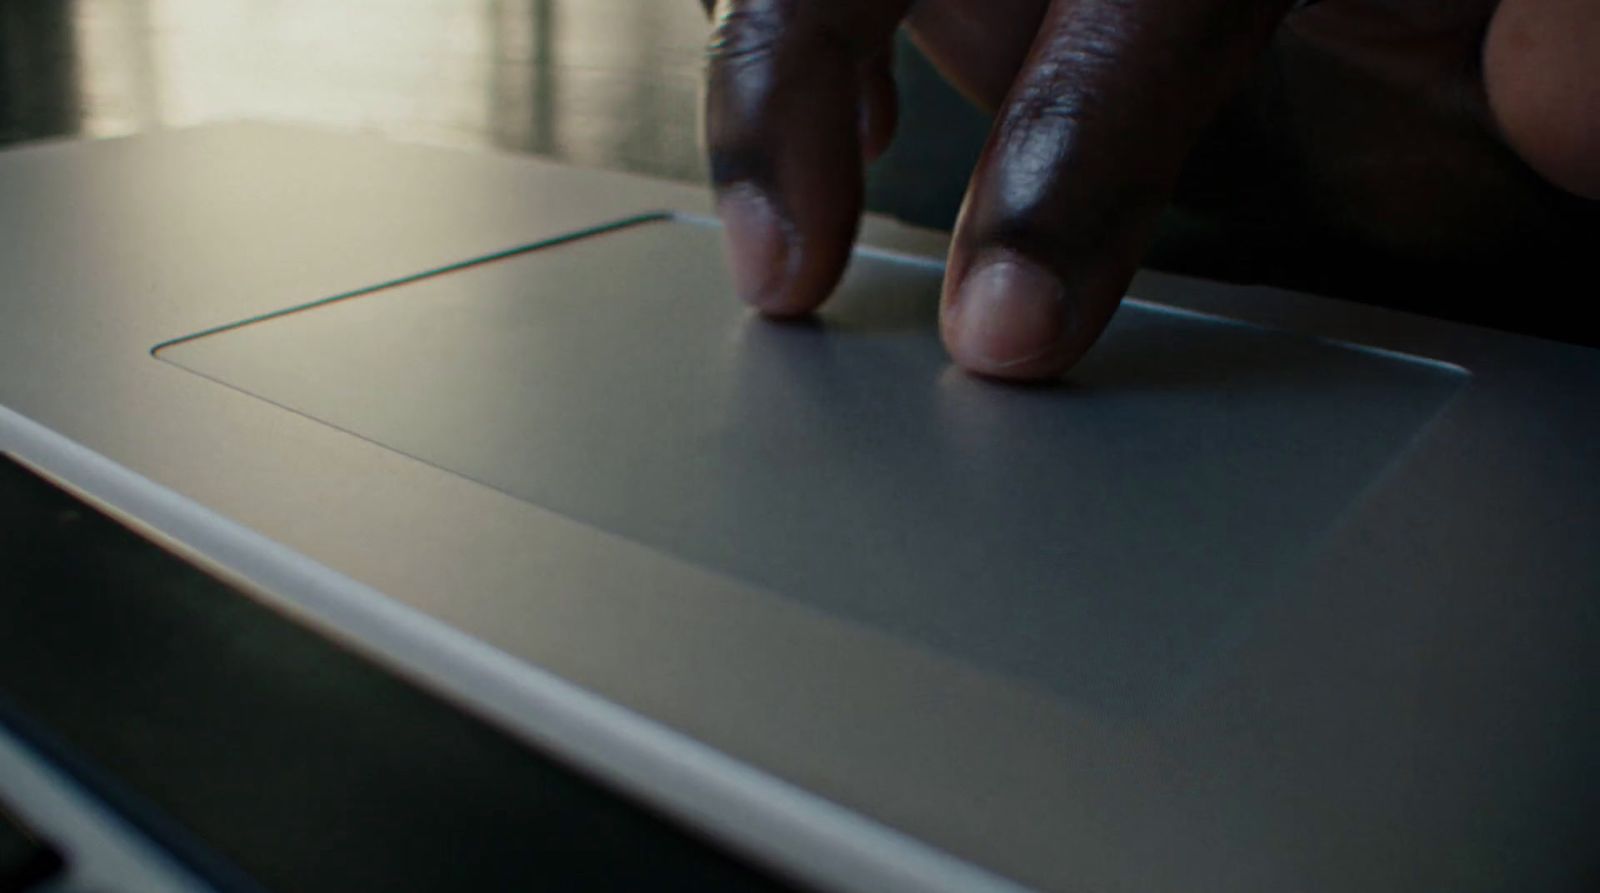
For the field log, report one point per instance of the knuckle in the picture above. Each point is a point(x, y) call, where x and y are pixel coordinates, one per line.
point(1058, 89)
point(1059, 84)
point(743, 77)
point(1051, 102)
point(1038, 133)
point(760, 31)
point(748, 33)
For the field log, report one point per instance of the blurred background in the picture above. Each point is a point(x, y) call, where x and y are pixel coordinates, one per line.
point(615, 84)
point(600, 83)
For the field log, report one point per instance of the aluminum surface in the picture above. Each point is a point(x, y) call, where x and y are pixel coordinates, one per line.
point(1410, 706)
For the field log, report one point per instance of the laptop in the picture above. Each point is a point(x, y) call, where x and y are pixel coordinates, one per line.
point(1271, 592)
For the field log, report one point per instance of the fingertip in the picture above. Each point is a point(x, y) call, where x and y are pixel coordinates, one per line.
point(759, 247)
point(1538, 78)
point(1010, 318)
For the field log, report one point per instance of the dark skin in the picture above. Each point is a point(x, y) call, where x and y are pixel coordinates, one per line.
point(1439, 129)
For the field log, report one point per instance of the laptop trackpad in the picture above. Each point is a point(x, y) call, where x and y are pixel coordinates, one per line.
point(1100, 539)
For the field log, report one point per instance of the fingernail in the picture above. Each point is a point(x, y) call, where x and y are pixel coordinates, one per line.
point(1007, 312)
point(758, 246)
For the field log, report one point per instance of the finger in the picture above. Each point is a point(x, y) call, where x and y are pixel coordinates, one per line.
point(880, 104)
point(796, 98)
point(1083, 157)
point(1541, 61)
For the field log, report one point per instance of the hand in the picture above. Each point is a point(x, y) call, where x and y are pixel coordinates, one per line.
point(1100, 104)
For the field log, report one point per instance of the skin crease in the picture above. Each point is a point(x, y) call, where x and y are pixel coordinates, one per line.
point(1438, 128)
